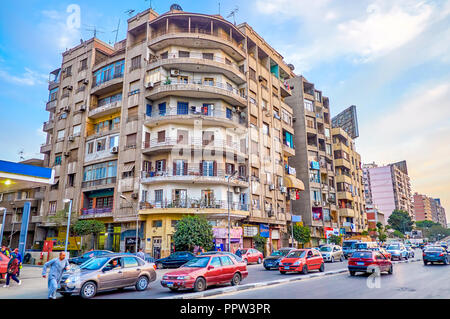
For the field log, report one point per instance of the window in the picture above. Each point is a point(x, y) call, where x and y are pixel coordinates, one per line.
point(229, 113)
point(157, 223)
point(110, 99)
point(52, 208)
point(70, 180)
point(60, 135)
point(208, 81)
point(286, 117)
point(158, 195)
point(53, 94)
point(174, 223)
point(254, 148)
point(129, 262)
point(180, 168)
point(208, 168)
point(162, 109)
point(109, 72)
point(309, 105)
point(161, 136)
point(76, 130)
point(208, 56)
point(101, 145)
point(58, 159)
point(83, 65)
point(182, 136)
point(135, 63)
point(100, 171)
point(207, 138)
point(252, 74)
point(182, 108)
point(183, 54)
point(131, 141)
point(113, 141)
point(266, 129)
point(160, 165)
point(288, 139)
point(165, 55)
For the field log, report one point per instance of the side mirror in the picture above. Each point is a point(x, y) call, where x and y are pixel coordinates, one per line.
point(210, 267)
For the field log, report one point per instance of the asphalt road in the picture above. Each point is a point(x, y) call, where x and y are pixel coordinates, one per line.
point(409, 281)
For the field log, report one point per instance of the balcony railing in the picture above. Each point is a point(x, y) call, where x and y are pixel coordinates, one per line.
point(115, 76)
point(191, 174)
point(104, 108)
point(196, 142)
point(99, 182)
point(193, 203)
point(173, 111)
point(91, 212)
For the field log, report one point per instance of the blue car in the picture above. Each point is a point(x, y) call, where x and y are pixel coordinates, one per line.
point(272, 261)
point(398, 251)
point(435, 254)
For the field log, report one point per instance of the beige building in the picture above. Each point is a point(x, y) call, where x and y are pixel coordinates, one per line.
point(349, 183)
point(156, 124)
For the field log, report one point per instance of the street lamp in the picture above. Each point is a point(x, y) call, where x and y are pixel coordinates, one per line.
point(68, 222)
point(229, 218)
point(137, 220)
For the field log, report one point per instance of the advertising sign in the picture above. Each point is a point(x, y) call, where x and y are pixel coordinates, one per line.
point(264, 230)
point(60, 242)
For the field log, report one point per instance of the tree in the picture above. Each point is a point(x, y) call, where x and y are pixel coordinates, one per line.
point(193, 231)
point(337, 240)
point(425, 224)
point(302, 234)
point(364, 233)
point(88, 227)
point(60, 220)
point(401, 221)
point(259, 242)
point(398, 234)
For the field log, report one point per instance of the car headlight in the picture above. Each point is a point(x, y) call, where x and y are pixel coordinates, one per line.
point(71, 280)
point(165, 277)
point(297, 263)
point(183, 277)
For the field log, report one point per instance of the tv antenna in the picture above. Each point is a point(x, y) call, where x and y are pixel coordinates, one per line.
point(93, 28)
point(20, 153)
point(150, 6)
point(233, 14)
point(219, 6)
point(130, 12)
point(116, 31)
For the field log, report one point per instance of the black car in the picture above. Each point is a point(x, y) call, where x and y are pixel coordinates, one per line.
point(175, 260)
point(272, 261)
point(86, 256)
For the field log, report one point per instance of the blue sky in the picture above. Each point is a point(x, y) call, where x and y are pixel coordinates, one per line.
point(390, 58)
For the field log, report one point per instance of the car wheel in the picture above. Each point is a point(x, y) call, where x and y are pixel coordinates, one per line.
point(352, 273)
point(305, 270)
point(283, 272)
point(425, 263)
point(446, 261)
point(200, 284)
point(390, 270)
point(341, 259)
point(259, 260)
point(88, 290)
point(173, 289)
point(142, 283)
point(332, 259)
point(322, 267)
point(406, 257)
point(267, 268)
point(236, 279)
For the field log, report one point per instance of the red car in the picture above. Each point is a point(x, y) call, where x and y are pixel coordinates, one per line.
point(250, 255)
point(302, 260)
point(206, 270)
point(4, 260)
point(369, 261)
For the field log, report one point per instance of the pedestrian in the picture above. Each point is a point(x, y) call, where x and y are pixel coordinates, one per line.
point(5, 251)
point(141, 254)
point(57, 267)
point(12, 270)
point(19, 256)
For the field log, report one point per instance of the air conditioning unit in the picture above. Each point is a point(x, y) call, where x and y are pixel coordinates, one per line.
point(134, 196)
point(233, 109)
point(85, 81)
point(114, 150)
point(316, 203)
point(243, 115)
point(294, 119)
point(283, 189)
point(271, 187)
point(174, 72)
point(70, 87)
point(260, 78)
point(83, 108)
point(71, 138)
point(66, 154)
point(149, 85)
point(66, 109)
point(237, 189)
point(270, 213)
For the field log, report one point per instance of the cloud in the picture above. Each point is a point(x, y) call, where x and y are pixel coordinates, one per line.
point(28, 78)
point(56, 30)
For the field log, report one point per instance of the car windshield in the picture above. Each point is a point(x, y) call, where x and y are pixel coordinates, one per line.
point(434, 249)
point(297, 254)
point(94, 264)
point(324, 248)
point(393, 247)
point(242, 251)
point(361, 246)
point(348, 244)
point(362, 254)
point(197, 262)
point(282, 252)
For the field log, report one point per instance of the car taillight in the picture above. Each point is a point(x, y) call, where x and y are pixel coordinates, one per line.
point(423, 254)
point(154, 266)
point(441, 254)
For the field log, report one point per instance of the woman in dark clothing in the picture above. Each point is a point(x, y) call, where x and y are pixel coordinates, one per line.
point(12, 270)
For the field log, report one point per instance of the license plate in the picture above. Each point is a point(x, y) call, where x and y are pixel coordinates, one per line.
point(170, 284)
point(360, 264)
point(286, 267)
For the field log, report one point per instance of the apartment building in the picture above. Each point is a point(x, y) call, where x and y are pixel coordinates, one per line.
point(389, 188)
point(151, 129)
point(349, 183)
point(313, 160)
point(441, 215)
point(422, 207)
point(14, 200)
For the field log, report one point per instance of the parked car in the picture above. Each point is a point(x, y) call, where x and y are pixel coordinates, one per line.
point(348, 247)
point(174, 260)
point(207, 270)
point(272, 261)
point(4, 260)
point(367, 261)
point(88, 255)
point(106, 272)
point(236, 257)
point(397, 251)
point(434, 254)
point(302, 260)
point(250, 255)
point(332, 253)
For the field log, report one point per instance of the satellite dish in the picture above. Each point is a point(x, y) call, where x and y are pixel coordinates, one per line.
point(176, 7)
point(291, 66)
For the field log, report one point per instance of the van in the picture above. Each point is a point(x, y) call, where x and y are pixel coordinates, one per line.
point(348, 246)
point(371, 245)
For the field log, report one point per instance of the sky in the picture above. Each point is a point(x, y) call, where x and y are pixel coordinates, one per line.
point(389, 58)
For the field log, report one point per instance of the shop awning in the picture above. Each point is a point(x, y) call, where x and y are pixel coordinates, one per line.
point(293, 182)
point(128, 168)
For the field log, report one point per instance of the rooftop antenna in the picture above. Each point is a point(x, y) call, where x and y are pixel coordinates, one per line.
point(20, 153)
point(233, 14)
point(130, 12)
point(219, 6)
point(93, 28)
point(150, 6)
point(116, 31)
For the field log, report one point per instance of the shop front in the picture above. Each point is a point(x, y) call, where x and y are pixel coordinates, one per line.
point(249, 231)
point(221, 238)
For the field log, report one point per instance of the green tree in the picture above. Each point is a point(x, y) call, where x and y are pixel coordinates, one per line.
point(60, 220)
point(260, 243)
point(398, 234)
point(401, 221)
point(302, 234)
point(425, 224)
point(337, 240)
point(193, 231)
point(364, 233)
point(88, 227)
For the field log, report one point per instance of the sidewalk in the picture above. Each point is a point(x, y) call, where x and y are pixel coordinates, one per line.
point(33, 285)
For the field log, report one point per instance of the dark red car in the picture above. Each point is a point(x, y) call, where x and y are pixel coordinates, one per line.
point(250, 255)
point(207, 270)
point(368, 261)
point(4, 260)
point(302, 260)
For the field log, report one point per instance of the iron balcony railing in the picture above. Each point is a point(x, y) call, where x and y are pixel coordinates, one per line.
point(115, 76)
point(95, 211)
point(191, 173)
point(196, 142)
point(99, 182)
point(193, 203)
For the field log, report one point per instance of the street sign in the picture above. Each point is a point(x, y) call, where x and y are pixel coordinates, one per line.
point(296, 218)
point(264, 230)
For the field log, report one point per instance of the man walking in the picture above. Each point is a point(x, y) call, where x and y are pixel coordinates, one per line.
point(141, 254)
point(12, 270)
point(57, 267)
point(19, 257)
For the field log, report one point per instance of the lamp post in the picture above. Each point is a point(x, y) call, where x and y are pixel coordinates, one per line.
point(68, 222)
point(229, 218)
point(137, 221)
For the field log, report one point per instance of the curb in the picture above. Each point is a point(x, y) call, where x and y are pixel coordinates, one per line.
point(406, 261)
point(225, 290)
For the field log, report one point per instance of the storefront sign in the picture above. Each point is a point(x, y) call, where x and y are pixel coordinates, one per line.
point(130, 241)
point(296, 218)
point(250, 231)
point(59, 243)
point(264, 231)
point(275, 234)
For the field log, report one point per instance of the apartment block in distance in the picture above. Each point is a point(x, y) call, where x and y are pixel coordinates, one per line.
point(313, 160)
point(149, 130)
point(427, 208)
point(389, 188)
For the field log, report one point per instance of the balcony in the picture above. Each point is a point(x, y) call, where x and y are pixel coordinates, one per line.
point(99, 182)
point(51, 105)
point(46, 148)
point(345, 195)
point(106, 109)
point(342, 162)
point(346, 212)
point(197, 89)
point(197, 63)
point(169, 144)
point(211, 118)
point(48, 126)
point(108, 86)
point(288, 151)
point(342, 178)
point(189, 203)
point(91, 213)
point(192, 176)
